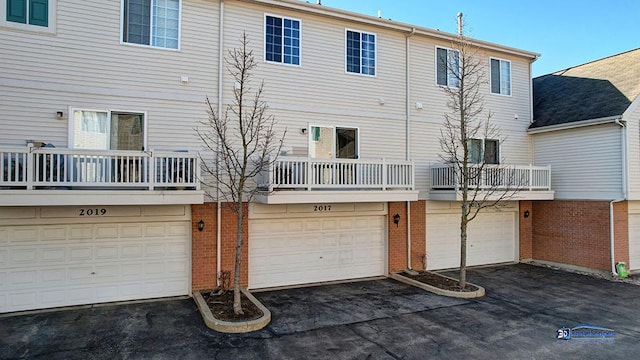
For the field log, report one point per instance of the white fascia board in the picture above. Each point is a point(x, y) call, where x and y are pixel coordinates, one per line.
point(575, 124)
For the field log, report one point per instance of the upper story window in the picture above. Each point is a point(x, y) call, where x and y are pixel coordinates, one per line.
point(107, 130)
point(500, 77)
point(484, 151)
point(361, 53)
point(151, 22)
point(447, 67)
point(34, 15)
point(333, 142)
point(282, 40)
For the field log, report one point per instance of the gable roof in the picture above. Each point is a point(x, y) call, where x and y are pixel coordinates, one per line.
point(597, 89)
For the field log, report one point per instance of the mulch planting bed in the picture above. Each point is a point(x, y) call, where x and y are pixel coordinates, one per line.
point(222, 307)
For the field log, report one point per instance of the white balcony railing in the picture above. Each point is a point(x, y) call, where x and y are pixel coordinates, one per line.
point(337, 174)
point(33, 168)
point(513, 177)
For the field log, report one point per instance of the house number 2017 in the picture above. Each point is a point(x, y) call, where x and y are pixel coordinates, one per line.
point(92, 212)
point(322, 208)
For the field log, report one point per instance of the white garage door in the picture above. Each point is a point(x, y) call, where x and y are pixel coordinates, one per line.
point(634, 241)
point(491, 239)
point(51, 265)
point(291, 251)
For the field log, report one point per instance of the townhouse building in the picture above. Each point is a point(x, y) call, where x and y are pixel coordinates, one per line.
point(101, 196)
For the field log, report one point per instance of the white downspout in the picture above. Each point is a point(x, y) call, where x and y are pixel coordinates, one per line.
point(623, 141)
point(408, 133)
point(219, 204)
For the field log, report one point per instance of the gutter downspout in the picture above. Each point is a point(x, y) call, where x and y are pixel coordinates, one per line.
point(623, 141)
point(219, 204)
point(408, 132)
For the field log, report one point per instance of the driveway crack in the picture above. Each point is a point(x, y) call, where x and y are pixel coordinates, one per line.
point(364, 337)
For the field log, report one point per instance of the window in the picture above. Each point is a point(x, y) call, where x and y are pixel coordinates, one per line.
point(151, 22)
point(487, 151)
point(500, 77)
point(31, 15)
point(108, 130)
point(447, 67)
point(282, 40)
point(361, 53)
point(330, 142)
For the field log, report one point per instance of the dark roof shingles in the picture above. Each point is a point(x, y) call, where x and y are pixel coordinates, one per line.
point(598, 89)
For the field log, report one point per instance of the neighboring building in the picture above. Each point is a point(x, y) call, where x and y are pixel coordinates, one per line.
point(586, 121)
point(115, 211)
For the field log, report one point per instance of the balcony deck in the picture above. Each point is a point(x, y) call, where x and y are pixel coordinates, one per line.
point(57, 176)
point(291, 180)
point(522, 182)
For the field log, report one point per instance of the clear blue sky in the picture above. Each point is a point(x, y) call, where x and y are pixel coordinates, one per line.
point(565, 32)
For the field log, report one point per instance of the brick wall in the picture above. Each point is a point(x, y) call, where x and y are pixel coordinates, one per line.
point(203, 245)
point(398, 235)
point(418, 234)
point(525, 230)
point(572, 232)
point(621, 232)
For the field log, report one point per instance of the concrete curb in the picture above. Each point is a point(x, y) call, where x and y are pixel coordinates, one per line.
point(457, 294)
point(232, 327)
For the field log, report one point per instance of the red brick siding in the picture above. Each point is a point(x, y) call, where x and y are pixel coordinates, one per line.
point(572, 232)
point(525, 230)
point(203, 245)
point(621, 231)
point(397, 237)
point(418, 234)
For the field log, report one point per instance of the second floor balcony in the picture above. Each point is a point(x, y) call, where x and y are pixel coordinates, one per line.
point(309, 180)
point(55, 176)
point(517, 182)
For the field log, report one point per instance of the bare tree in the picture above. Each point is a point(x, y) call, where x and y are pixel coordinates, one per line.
point(467, 125)
point(245, 142)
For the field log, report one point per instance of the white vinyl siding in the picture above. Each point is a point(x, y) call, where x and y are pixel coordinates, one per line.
point(586, 163)
point(110, 76)
point(426, 123)
point(632, 118)
point(318, 93)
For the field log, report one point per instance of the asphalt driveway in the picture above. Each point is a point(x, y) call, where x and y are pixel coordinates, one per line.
point(384, 319)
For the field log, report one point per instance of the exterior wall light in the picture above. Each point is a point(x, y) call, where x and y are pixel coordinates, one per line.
point(526, 214)
point(200, 225)
point(396, 219)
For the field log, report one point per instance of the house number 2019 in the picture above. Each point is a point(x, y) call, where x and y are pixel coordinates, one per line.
point(322, 208)
point(92, 212)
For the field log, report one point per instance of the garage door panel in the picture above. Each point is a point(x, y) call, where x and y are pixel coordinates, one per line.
point(634, 241)
point(491, 239)
point(92, 263)
point(315, 249)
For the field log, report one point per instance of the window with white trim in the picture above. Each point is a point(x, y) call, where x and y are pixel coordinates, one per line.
point(360, 53)
point(483, 151)
point(151, 22)
point(107, 130)
point(328, 142)
point(282, 40)
point(500, 76)
point(30, 15)
point(447, 67)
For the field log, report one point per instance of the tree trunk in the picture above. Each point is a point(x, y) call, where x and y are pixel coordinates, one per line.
point(463, 246)
point(237, 305)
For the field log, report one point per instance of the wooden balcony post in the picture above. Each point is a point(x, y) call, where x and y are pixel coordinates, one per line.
point(152, 170)
point(530, 177)
point(384, 174)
